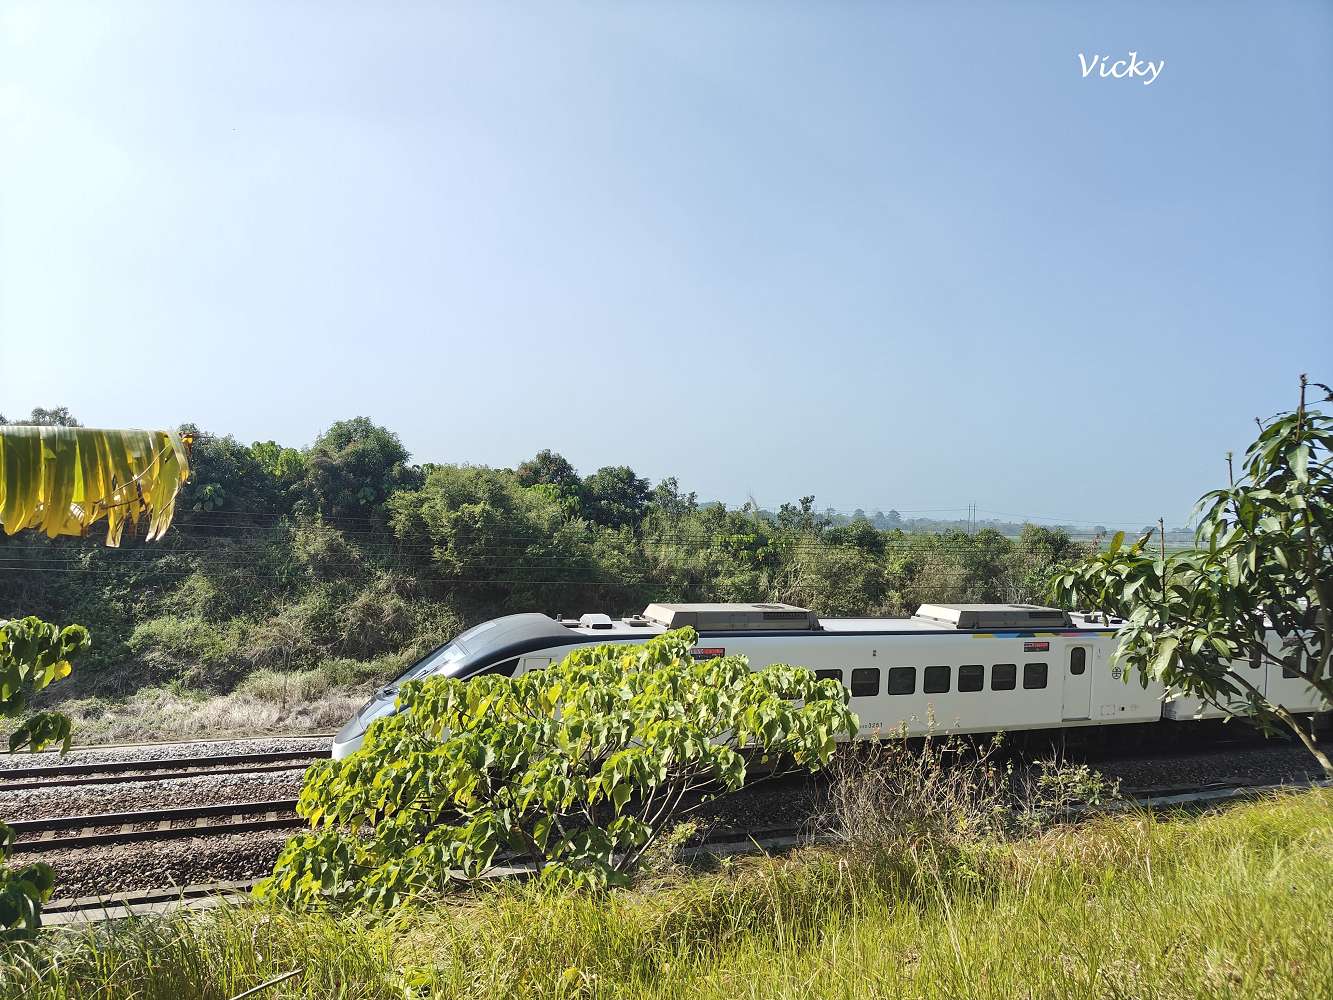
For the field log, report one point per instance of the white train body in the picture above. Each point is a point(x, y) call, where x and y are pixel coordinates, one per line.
point(949, 668)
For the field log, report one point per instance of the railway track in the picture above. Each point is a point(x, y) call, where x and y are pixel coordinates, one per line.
point(105, 829)
point(265, 738)
point(115, 772)
point(767, 839)
point(58, 833)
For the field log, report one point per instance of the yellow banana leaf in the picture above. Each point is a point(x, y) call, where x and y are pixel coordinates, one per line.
point(63, 479)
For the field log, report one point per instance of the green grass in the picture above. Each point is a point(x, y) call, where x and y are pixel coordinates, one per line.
point(1229, 904)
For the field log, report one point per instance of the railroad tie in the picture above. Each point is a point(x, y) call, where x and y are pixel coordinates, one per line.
point(164, 824)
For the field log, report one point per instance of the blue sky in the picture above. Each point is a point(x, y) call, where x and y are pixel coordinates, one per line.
point(892, 254)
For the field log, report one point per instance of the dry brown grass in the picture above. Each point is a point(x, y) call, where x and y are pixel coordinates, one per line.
point(948, 791)
point(261, 706)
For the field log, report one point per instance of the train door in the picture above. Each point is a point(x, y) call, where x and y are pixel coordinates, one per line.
point(1078, 682)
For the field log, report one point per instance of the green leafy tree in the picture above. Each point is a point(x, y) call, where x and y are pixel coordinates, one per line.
point(860, 535)
point(226, 477)
point(615, 496)
point(33, 655)
point(547, 468)
point(801, 518)
point(1039, 552)
point(838, 581)
point(285, 469)
point(471, 521)
point(58, 416)
point(1263, 560)
point(577, 769)
point(668, 501)
point(354, 466)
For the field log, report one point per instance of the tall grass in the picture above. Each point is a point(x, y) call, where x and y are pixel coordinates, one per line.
point(214, 956)
point(1227, 904)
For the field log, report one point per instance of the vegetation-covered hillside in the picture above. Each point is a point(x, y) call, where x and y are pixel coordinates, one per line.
point(342, 559)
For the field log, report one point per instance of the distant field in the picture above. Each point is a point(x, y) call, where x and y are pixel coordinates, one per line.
point(1229, 904)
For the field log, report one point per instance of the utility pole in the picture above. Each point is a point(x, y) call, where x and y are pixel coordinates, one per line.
point(1161, 534)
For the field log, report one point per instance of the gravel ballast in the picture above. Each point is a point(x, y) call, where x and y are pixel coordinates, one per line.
point(1274, 764)
point(131, 796)
point(197, 861)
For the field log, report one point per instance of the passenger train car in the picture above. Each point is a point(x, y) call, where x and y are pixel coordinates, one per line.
point(959, 668)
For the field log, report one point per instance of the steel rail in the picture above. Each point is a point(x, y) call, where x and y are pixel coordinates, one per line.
point(159, 763)
point(118, 772)
point(78, 747)
point(120, 779)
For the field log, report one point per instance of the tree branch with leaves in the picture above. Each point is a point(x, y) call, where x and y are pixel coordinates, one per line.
point(1262, 566)
point(60, 478)
point(33, 655)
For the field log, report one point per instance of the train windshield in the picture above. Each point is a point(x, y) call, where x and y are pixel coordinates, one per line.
point(480, 645)
point(437, 661)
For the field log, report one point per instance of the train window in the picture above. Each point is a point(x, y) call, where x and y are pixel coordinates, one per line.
point(1078, 660)
point(902, 680)
point(971, 677)
point(506, 667)
point(935, 680)
point(865, 682)
point(1290, 665)
point(829, 675)
point(1256, 658)
point(1003, 676)
point(1034, 676)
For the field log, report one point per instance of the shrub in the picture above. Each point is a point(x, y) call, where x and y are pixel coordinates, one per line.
point(190, 648)
point(577, 768)
point(33, 655)
point(945, 792)
point(378, 618)
point(325, 552)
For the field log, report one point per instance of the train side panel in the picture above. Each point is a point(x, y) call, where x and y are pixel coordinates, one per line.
point(956, 683)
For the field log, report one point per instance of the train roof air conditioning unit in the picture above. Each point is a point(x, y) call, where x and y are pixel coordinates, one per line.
point(733, 617)
point(993, 616)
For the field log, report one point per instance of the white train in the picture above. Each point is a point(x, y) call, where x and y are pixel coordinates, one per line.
point(960, 668)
